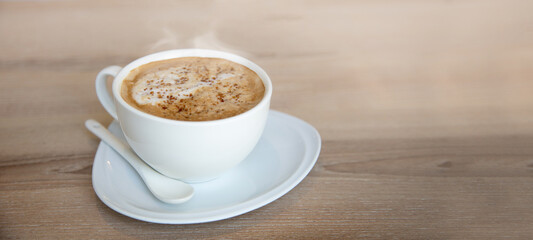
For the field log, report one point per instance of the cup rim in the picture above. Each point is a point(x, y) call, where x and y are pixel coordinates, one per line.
point(191, 52)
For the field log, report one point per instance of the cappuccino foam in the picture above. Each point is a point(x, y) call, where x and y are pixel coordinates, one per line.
point(193, 88)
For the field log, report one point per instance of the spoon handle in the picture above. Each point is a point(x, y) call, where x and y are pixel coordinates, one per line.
point(118, 145)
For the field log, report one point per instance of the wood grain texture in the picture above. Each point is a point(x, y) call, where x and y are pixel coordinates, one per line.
point(425, 110)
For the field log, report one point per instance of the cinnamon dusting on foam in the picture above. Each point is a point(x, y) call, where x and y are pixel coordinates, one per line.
point(193, 88)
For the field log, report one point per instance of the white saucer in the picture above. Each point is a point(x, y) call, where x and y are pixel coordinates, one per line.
point(285, 154)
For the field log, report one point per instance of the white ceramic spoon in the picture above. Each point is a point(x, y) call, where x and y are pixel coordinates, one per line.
point(166, 189)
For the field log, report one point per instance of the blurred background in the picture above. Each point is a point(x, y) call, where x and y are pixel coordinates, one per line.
point(435, 61)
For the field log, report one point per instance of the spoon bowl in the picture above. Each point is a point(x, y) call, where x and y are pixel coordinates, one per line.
point(166, 189)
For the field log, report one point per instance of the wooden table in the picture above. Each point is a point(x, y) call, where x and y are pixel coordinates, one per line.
point(425, 110)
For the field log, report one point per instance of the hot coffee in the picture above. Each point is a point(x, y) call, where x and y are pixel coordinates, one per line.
point(193, 88)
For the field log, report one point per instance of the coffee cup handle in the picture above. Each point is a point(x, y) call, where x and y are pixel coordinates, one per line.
point(105, 97)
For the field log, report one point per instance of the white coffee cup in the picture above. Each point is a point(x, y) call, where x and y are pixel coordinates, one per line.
point(185, 150)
